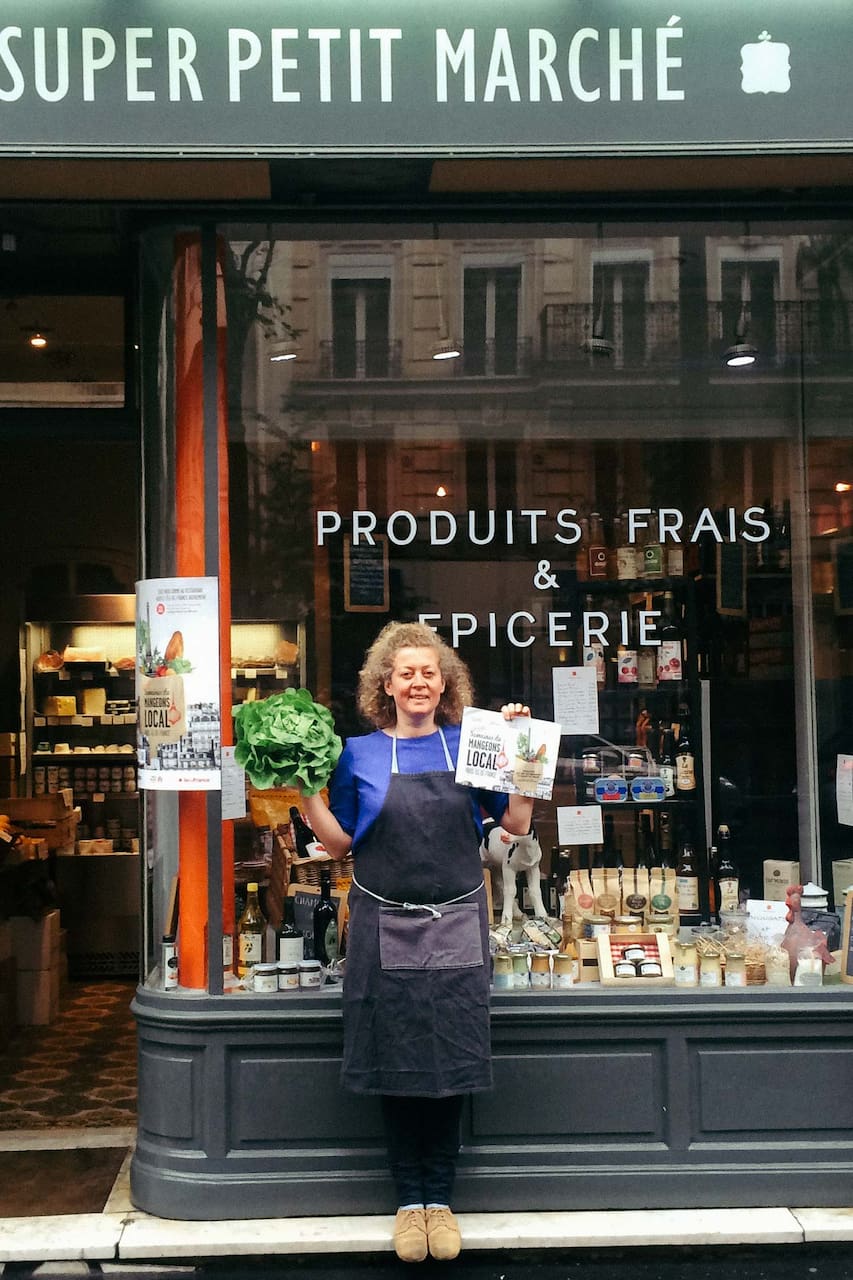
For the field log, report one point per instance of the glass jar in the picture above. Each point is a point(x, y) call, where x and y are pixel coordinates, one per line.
point(540, 970)
point(502, 972)
point(685, 964)
point(735, 969)
point(710, 970)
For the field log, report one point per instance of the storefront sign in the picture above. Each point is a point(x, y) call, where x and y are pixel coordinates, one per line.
point(179, 732)
point(562, 76)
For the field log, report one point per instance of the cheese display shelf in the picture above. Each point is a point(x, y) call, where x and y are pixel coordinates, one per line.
point(80, 713)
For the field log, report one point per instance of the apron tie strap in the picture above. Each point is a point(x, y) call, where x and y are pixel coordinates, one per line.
point(419, 906)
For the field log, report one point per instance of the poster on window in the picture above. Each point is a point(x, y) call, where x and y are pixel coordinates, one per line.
point(179, 727)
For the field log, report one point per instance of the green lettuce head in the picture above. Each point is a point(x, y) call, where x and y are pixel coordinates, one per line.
point(286, 740)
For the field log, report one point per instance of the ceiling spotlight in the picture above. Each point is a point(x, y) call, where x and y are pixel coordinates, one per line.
point(441, 492)
point(598, 344)
point(842, 487)
point(446, 350)
point(284, 349)
point(740, 354)
point(38, 340)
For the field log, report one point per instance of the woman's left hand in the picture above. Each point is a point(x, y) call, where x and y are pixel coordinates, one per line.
point(512, 709)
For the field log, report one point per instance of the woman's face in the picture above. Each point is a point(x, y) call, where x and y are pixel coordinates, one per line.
point(416, 683)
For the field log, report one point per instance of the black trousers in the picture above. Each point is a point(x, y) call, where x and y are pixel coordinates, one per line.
point(423, 1146)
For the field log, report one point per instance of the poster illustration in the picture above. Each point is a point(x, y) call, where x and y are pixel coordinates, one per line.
point(179, 731)
point(514, 756)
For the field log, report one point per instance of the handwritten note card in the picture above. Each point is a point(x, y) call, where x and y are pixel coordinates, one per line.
point(575, 699)
point(580, 824)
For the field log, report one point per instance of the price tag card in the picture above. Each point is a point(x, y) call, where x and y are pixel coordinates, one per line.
point(844, 789)
point(575, 699)
point(580, 824)
point(233, 786)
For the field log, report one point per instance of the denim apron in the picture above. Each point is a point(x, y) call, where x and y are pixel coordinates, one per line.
point(416, 990)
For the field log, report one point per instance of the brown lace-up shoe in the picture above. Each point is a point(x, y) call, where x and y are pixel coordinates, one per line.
point(443, 1234)
point(410, 1235)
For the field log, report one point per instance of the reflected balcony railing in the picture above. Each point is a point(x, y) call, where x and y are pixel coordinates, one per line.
point(361, 360)
point(495, 359)
point(818, 332)
point(635, 336)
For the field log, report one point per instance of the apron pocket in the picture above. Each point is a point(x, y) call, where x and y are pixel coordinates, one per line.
point(417, 940)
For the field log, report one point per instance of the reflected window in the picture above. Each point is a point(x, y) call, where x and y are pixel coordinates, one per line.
point(361, 311)
point(620, 294)
point(491, 320)
point(750, 294)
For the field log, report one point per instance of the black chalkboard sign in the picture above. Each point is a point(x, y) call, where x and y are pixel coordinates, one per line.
point(731, 579)
point(842, 563)
point(366, 576)
point(305, 899)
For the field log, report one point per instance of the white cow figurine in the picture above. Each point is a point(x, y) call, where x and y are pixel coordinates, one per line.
point(511, 855)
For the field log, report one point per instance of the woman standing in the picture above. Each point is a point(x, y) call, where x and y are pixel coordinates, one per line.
point(416, 991)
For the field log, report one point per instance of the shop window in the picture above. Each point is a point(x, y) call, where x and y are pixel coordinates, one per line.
point(491, 308)
point(361, 328)
point(62, 352)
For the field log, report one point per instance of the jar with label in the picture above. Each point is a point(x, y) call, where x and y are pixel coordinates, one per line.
point(169, 962)
point(502, 971)
point(685, 964)
point(520, 971)
point(540, 970)
point(625, 969)
point(288, 975)
point(265, 977)
point(565, 967)
point(634, 952)
point(649, 968)
point(735, 972)
point(310, 974)
point(710, 970)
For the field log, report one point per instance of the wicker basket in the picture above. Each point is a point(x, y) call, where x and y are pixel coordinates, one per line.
point(307, 870)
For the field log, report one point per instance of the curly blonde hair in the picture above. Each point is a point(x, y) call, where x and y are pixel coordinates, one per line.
point(378, 707)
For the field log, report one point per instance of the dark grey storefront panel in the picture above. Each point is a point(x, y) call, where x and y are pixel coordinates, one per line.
point(666, 1099)
point(322, 76)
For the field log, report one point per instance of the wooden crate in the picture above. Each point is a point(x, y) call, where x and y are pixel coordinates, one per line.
point(656, 946)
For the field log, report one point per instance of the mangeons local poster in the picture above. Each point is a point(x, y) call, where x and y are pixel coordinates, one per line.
point(179, 730)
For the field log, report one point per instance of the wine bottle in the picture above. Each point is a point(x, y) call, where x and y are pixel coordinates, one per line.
point(670, 652)
point(325, 922)
point(666, 762)
point(251, 930)
point(304, 841)
point(597, 546)
point(685, 765)
point(289, 941)
point(726, 877)
point(687, 884)
point(591, 648)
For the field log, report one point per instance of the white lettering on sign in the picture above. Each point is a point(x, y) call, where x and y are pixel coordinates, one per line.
point(536, 525)
point(295, 65)
point(633, 68)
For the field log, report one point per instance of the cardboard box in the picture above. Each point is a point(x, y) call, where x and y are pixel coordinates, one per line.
point(778, 877)
point(8, 744)
point(588, 970)
point(656, 947)
point(35, 943)
point(49, 817)
point(842, 878)
point(37, 997)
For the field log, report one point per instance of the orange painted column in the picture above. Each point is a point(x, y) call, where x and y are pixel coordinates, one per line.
point(190, 561)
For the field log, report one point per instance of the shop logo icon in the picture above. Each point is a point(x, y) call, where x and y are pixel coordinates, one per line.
point(765, 66)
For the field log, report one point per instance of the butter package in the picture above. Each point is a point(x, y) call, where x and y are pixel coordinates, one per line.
point(778, 875)
point(59, 704)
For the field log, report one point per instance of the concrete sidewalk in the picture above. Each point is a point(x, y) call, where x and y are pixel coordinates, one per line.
point(124, 1234)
